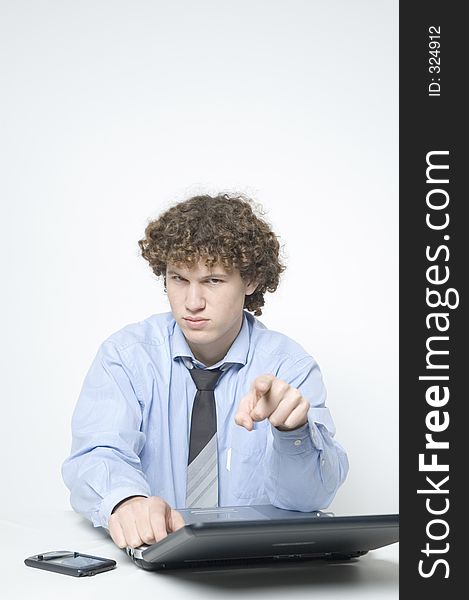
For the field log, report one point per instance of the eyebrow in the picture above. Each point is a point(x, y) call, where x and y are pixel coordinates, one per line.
point(209, 276)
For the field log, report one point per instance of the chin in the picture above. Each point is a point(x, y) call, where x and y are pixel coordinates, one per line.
point(197, 336)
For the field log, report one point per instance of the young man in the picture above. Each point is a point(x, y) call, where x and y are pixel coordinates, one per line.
point(202, 406)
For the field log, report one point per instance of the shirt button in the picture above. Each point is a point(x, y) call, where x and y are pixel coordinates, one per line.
point(297, 442)
point(323, 461)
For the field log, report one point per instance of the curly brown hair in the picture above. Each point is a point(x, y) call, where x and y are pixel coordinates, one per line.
point(218, 229)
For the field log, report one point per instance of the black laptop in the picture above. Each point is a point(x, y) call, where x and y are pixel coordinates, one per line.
point(248, 535)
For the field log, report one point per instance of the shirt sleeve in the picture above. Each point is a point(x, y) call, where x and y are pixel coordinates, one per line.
point(306, 466)
point(104, 465)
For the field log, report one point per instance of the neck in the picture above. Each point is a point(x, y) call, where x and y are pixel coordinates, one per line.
point(210, 354)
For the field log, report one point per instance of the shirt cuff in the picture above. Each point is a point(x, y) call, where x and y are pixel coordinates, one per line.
point(296, 441)
point(110, 501)
point(320, 419)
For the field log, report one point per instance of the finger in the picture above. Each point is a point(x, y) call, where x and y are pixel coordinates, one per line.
point(144, 524)
point(159, 520)
point(129, 527)
point(245, 421)
point(243, 416)
point(290, 399)
point(262, 384)
point(116, 533)
point(177, 520)
point(269, 402)
point(298, 417)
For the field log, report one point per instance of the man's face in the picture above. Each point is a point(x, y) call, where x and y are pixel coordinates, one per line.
point(207, 304)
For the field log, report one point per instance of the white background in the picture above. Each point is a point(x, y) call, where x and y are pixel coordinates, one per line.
point(113, 110)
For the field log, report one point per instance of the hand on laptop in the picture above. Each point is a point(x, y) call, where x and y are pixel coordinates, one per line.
point(139, 520)
point(274, 399)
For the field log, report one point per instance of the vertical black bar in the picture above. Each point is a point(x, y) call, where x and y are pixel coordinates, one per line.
point(433, 272)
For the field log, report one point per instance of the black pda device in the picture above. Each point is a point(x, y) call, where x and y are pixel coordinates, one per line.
point(70, 563)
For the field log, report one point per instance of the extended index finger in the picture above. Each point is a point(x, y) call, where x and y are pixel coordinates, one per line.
point(246, 410)
point(263, 406)
point(262, 384)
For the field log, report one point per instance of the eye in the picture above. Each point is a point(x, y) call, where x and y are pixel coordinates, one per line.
point(176, 278)
point(215, 281)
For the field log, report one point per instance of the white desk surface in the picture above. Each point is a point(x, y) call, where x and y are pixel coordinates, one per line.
point(373, 576)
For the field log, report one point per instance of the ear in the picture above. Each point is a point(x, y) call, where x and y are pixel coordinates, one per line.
point(251, 288)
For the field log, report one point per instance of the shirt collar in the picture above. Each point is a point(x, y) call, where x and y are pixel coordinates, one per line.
point(237, 353)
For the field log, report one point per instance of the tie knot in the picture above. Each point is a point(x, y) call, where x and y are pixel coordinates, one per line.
point(204, 379)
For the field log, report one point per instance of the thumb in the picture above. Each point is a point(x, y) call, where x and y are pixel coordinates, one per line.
point(243, 415)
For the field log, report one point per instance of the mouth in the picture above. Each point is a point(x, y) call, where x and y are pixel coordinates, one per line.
point(195, 323)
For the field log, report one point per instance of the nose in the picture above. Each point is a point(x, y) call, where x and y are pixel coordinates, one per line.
point(195, 300)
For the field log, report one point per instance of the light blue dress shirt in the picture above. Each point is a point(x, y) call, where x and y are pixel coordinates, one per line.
point(131, 424)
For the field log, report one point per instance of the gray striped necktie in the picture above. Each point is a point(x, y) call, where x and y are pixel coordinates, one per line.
point(202, 466)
